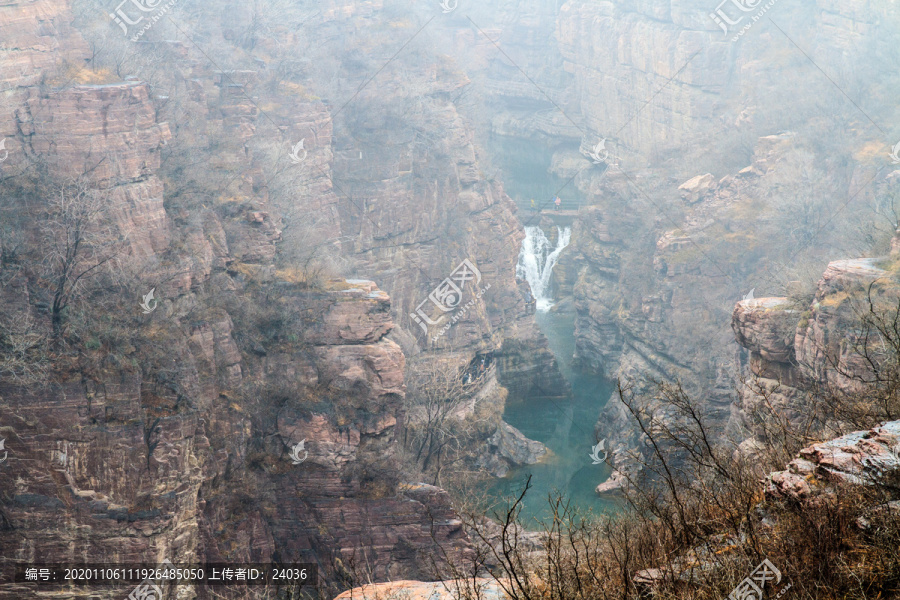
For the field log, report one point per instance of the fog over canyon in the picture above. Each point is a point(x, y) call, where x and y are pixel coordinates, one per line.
point(450, 300)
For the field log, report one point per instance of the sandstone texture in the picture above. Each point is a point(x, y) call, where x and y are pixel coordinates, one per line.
point(645, 319)
point(706, 173)
point(861, 458)
point(180, 446)
point(420, 590)
point(81, 463)
point(177, 442)
point(791, 346)
point(168, 435)
point(766, 327)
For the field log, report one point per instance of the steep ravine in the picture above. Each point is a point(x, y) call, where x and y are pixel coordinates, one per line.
point(727, 180)
point(167, 435)
point(564, 425)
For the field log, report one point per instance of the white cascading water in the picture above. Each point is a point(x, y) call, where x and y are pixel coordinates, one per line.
point(536, 262)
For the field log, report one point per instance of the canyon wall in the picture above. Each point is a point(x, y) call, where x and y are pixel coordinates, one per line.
point(663, 248)
point(168, 435)
point(831, 347)
point(719, 178)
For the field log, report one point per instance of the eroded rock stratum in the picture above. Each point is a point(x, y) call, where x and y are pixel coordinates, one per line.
point(168, 435)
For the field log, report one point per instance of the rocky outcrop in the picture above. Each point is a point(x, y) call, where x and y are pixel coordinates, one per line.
point(863, 464)
point(646, 319)
point(527, 367)
point(418, 210)
point(508, 447)
point(415, 263)
point(244, 358)
point(765, 326)
point(170, 435)
point(81, 459)
point(109, 131)
point(665, 88)
point(35, 36)
point(663, 46)
point(859, 458)
point(697, 188)
point(791, 347)
point(661, 85)
point(420, 590)
point(821, 342)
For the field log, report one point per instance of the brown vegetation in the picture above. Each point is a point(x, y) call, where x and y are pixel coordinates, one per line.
point(697, 522)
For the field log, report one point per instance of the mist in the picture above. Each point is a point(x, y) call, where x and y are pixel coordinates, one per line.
point(534, 300)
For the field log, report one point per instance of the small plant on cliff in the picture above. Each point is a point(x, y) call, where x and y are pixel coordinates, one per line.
point(151, 438)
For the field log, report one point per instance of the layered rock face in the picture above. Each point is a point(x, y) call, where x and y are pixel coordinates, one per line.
point(667, 90)
point(399, 187)
point(177, 444)
point(620, 53)
point(87, 480)
point(706, 86)
point(344, 501)
point(791, 347)
point(859, 458)
point(639, 317)
point(121, 151)
point(712, 232)
point(34, 35)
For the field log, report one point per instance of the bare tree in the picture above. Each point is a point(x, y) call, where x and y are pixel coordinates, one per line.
point(151, 438)
point(24, 355)
point(859, 381)
point(436, 396)
point(78, 241)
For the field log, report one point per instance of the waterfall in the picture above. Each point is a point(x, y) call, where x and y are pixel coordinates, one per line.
point(536, 262)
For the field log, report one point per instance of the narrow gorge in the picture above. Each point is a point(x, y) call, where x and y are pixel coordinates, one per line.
point(400, 291)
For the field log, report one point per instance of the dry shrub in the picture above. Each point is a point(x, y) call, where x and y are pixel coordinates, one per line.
point(696, 524)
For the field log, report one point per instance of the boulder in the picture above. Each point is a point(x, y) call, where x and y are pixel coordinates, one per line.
point(697, 188)
point(766, 326)
point(508, 447)
point(861, 457)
